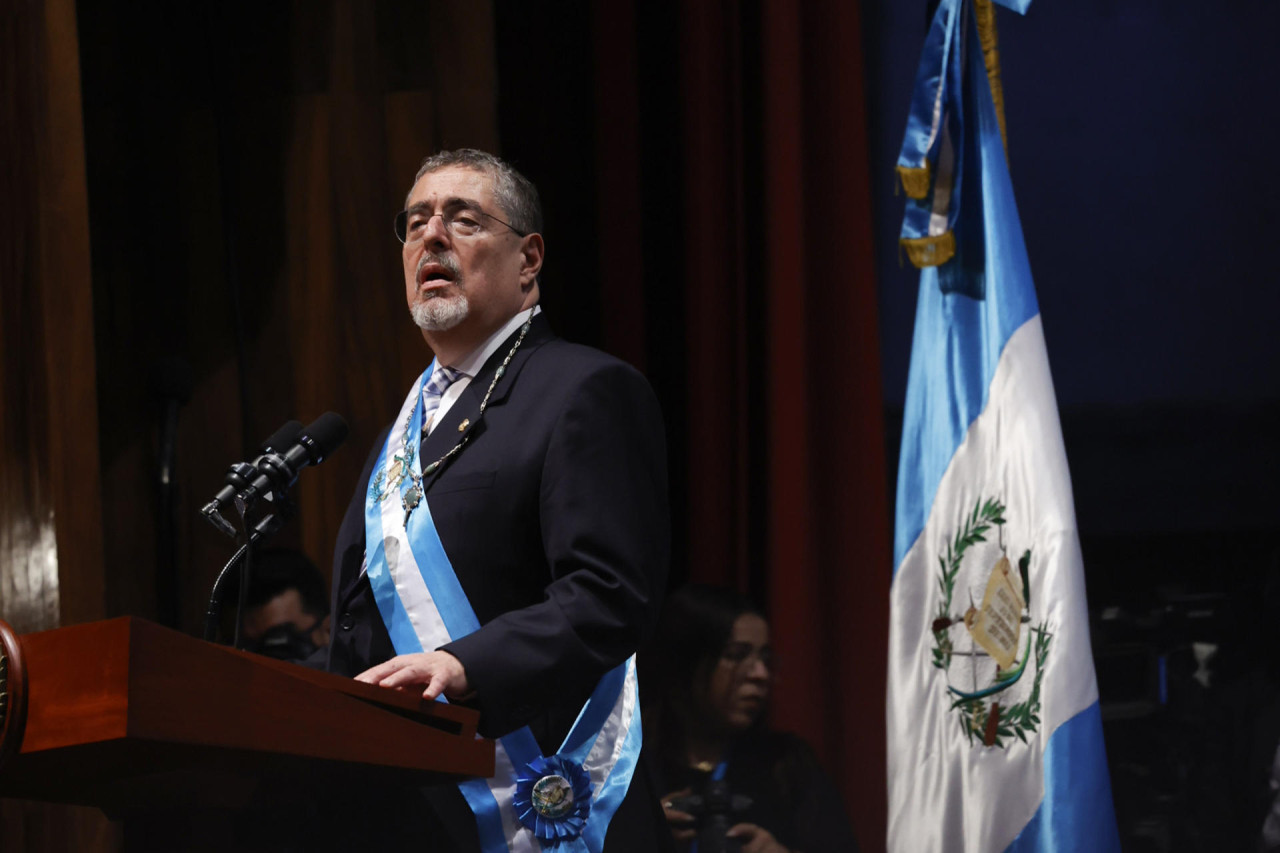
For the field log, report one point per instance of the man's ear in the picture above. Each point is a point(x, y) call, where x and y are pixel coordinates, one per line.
point(531, 249)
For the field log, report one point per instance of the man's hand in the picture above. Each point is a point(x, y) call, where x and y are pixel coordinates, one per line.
point(755, 839)
point(432, 672)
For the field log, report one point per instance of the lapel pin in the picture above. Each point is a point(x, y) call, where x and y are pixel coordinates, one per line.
point(462, 427)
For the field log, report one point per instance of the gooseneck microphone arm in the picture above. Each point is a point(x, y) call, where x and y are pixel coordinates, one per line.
point(265, 527)
point(269, 476)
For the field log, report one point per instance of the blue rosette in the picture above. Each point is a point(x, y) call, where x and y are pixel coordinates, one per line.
point(553, 798)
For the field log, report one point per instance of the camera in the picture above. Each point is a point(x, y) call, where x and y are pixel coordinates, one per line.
point(716, 810)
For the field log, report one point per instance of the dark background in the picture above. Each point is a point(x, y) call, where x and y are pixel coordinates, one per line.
point(1134, 146)
point(721, 211)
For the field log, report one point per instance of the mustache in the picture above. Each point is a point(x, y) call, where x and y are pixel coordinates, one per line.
point(449, 263)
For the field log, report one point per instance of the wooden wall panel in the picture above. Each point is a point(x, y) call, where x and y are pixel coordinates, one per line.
point(28, 550)
point(243, 187)
point(350, 158)
point(409, 120)
point(50, 523)
point(67, 294)
point(465, 73)
point(241, 183)
point(51, 568)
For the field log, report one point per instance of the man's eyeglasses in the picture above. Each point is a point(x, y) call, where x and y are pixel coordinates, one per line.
point(460, 221)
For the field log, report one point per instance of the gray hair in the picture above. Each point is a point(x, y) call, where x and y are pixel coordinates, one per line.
point(515, 193)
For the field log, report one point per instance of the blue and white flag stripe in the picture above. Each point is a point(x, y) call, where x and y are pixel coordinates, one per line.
point(981, 422)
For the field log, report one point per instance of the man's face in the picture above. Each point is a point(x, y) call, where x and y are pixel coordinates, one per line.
point(463, 287)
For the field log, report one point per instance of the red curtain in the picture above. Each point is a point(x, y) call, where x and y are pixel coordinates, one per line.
point(785, 493)
point(829, 553)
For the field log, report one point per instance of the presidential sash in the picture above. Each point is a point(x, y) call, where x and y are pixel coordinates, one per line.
point(562, 802)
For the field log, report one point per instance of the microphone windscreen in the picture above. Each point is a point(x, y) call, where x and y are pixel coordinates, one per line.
point(327, 432)
point(283, 438)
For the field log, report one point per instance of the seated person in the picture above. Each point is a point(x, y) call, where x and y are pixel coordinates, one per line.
point(710, 669)
point(286, 613)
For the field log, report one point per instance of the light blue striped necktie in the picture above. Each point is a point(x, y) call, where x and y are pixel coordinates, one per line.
point(439, 382)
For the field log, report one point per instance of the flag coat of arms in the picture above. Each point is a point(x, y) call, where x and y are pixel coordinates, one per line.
point(994, 733)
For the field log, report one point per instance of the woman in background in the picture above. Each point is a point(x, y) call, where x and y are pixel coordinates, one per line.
point(710, 669)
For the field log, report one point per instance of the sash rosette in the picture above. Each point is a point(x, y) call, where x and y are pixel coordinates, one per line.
point(553, 798)
point(533, 802)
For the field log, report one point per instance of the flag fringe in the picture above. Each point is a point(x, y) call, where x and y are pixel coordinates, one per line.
point(931, 251)
point(916, 180)
point(985, 13)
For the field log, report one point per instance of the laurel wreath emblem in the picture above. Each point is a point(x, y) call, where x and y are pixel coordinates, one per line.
point(981, 716)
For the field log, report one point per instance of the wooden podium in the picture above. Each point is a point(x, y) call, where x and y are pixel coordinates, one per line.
point(137, 719)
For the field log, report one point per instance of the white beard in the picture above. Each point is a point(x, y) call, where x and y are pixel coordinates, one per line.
point(440, 313)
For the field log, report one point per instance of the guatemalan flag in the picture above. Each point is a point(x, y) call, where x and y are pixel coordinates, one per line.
point(994, 732)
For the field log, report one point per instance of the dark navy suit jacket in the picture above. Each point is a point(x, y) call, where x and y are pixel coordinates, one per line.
point(555, 519)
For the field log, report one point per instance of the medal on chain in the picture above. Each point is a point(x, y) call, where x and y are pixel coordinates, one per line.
point(389, 480)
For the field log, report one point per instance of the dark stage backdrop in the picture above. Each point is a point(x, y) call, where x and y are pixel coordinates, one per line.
point(704, 171)
point(245, 163)
point(787, 479)
point(1159, 300)
point(733, 220)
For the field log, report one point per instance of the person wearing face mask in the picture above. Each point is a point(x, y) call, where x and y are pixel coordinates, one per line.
point(710, 669)
point(286, 613)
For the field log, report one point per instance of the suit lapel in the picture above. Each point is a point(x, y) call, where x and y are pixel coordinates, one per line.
point(463, 421)
point(448, 433)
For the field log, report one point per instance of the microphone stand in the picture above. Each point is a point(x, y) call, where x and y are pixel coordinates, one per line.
point(267, 526)
point(166, 580)
point(267, 478)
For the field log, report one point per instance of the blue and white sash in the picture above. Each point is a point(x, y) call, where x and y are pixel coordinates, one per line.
point(533, 802)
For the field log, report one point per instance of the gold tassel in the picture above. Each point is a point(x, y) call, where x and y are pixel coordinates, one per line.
point(916, 180)
point(986, 17)
point(931, 251)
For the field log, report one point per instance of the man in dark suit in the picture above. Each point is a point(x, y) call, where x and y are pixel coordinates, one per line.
point(507, 544)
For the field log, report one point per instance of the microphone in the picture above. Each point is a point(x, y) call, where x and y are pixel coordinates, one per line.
point(241, 474)
point(278, 471)
point(286, 453)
